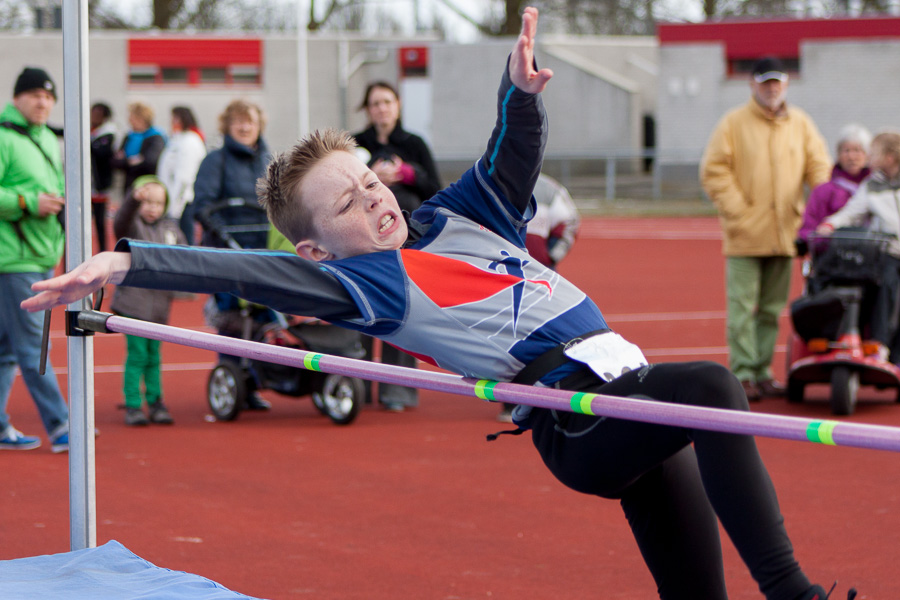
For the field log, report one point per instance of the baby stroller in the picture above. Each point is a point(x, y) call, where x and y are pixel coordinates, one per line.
point(233, 380)
point(829, 320)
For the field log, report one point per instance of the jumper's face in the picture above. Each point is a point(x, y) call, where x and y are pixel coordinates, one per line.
point(770, 93)
point(352, 212)
point(852, 157)
point(35, 105)
point(383, 108)
point(244, 128)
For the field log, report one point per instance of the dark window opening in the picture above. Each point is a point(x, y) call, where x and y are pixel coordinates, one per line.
point(744, 66)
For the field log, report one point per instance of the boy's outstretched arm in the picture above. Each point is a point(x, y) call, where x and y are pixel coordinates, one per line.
point(88, 277)
point(279, 280)
point(515, 151)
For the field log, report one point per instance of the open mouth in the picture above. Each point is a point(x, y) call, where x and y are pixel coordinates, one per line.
point(387, 221)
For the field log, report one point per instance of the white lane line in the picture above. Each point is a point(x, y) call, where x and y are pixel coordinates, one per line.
point(672, 316)
point(701, 236)
point(60, 334)
point(109, 369)
point(649, 231)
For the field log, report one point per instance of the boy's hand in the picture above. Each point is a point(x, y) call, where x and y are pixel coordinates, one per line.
point(87, 278)
point(521, 61)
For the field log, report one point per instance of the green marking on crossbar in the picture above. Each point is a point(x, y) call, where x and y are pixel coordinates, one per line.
point(484, 389)
point(581, 403)
point(311, 361)
point(820, 432)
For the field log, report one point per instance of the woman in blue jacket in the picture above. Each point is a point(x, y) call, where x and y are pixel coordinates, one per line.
point(228, 174)
point(231, 172)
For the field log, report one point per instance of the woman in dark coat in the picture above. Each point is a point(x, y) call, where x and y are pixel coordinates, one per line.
point(402, 162)
point(401, 159)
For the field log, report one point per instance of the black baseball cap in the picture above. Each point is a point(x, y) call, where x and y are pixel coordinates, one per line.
point(767, 68)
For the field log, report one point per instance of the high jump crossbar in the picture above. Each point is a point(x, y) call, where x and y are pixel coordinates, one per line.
point(829, 432)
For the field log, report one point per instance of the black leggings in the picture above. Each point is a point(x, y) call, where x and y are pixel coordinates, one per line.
point(672, 492)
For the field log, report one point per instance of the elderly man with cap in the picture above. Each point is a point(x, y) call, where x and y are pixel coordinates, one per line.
point(754, 169)
point(31, 245)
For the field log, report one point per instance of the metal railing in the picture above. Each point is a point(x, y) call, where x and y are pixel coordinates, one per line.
point(612, 174)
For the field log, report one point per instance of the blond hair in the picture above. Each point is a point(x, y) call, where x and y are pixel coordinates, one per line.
point(279, 190)
point(142, 111)
point(240, 108)
point(889, 143)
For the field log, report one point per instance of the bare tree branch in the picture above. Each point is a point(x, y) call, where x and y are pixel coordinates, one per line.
point(482, 27)
point(313, 24)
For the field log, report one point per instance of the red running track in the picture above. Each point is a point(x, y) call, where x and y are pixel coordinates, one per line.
point(417, 505)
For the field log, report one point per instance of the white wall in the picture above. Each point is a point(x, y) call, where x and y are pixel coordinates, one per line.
point(839, 82)
point(600, 90)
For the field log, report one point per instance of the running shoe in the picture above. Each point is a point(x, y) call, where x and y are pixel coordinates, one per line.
point(13, 439)
point(160, 414)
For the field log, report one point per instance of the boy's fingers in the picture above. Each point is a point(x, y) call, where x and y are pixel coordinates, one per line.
point(54, 283)
point(529, 24)
point(43, 301)
point(44, 284)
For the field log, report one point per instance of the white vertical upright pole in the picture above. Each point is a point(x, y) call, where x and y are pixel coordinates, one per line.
point(82, 483)
point(302, 68)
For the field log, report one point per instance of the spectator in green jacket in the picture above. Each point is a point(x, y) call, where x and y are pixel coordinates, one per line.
point(31, 245)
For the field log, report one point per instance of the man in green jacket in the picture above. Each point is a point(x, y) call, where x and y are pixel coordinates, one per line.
point(758, 160)
point(31, 245)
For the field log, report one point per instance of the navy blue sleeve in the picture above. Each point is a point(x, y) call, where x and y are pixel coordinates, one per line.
point(497, 192)
point(515, 151)
point(427, 182)
point(378, 286)
point(279, 280)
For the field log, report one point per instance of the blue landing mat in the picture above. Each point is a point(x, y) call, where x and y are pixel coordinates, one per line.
point(109, 572)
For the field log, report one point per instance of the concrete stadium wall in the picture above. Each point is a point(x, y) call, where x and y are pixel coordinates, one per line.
point(601, 89)
point(839, 82)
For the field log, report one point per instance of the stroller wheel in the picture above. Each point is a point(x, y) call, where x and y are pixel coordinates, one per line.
point(226, 391)
point(844, 387)
point(340, 398)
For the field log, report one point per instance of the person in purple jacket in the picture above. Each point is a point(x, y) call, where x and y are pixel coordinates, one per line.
point(453, 284)
point(848, 173)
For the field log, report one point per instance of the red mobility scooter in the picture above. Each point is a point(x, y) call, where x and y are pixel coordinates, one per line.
point(826, 346)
